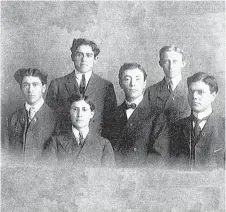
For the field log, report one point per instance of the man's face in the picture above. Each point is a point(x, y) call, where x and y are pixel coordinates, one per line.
point(133, 83)
point(81, 114)
point(172, 63)
point(32, 89)
point(199, 96)
point(84, 59)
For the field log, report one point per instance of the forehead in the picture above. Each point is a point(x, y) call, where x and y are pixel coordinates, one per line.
point(171, 55)
point(200, 85)
point(31, 79)
point(84, 49)
point(133, 72)
point(80, 103)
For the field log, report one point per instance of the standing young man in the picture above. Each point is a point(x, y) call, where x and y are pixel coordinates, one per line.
point(83, 81)
point(30, 127)
point(199, 140)
point(170, 94)
point(77, 144)
point(133, 127)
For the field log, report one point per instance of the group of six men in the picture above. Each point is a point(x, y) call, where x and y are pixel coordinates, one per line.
point(80, 123)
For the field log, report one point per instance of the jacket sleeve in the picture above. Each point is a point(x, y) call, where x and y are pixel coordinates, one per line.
point(50, 150)
point(108, 158)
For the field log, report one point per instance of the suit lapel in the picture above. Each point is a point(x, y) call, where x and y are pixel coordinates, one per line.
point(71, 85)
point(187, 130)
point(93, 82)
point(162, 92)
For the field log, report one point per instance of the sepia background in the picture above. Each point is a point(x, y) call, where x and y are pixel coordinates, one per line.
point(40, 34)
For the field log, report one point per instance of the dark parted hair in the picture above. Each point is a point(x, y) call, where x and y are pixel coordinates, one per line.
point(76, 98)
point(81, 41)
point(204, 77)
point(127, 66)
point(165, 49)
point(21, 73)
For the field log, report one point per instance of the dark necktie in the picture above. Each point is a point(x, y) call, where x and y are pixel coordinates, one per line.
point(131, 106)
point(82, 87)
point(170, 86)
point(197, 128)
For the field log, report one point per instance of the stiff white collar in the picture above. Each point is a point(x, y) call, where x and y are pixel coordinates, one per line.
point(37, 105)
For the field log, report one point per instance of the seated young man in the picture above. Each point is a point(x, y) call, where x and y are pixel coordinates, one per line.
point(133, 127)
point(75, 143)
point(30, 127)
point(198, 141)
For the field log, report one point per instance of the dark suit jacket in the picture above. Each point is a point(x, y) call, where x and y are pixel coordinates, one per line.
point(209, 149)
point(174, 105)
point(96, 151)
point(27, 140)
point(99, 90)
point(133, 139)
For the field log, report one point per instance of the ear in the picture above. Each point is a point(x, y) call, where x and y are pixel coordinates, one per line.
point(72, 57)
point(43, 88)
point(120, 84)
point(145, 83)
point(160, 63)
point(95, 59)
point(214, 94)
point(183, 64)
point(92, 113)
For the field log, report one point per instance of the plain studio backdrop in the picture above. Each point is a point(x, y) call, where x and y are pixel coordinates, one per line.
point(40, 34)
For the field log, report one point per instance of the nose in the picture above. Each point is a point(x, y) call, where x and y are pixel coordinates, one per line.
point(194, 95)
point(79, 113)
point(170, 64)
point(132, 82)
point(30, 88)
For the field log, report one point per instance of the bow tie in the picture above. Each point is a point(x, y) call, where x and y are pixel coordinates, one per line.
point(132, 106)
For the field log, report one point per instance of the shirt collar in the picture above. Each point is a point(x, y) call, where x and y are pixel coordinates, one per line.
point(137, 101)
point(84, 132)
point(78, 75)
point(203, 114)
point(174, 80)
point(37, 105)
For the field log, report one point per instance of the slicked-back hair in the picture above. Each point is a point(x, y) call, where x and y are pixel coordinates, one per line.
point(81, 41)
point(170, 48)
point(203, 77)
point(76, 98)
point(127, 66)
point(21, 73)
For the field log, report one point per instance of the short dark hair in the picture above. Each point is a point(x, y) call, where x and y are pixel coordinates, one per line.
point(21, 73)
point(127, 66)
point(207, 79)
point(165, 49)
point(76, 98)
point(81, 41)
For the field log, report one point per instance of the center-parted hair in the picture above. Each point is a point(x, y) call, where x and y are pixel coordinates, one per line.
point(203, 77)
point(21, 73)
point(76, 98)
point(127, 66)
point(81, 41)
point(170, 48)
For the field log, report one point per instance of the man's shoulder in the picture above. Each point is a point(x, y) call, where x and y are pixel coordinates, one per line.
point(155, 86)
point(101, 80)
point(63, 78)
point(101, 140)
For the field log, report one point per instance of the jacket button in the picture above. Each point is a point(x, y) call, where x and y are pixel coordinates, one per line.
point(203, 134)
point(131, 125)
point(135, 149)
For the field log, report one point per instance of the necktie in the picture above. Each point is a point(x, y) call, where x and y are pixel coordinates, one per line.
point(197, 128)
point(31, 113)
point(82, 87)
point(170, 86)
point(131, 106)
point(81, 138)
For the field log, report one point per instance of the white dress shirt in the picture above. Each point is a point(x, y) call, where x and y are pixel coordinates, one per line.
point(201, 116)
point(36, 107)
point(78, 76)
point(130, 110)
point(174, 81)
point(84, 132)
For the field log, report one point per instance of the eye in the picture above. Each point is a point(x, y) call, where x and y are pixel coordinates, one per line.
point(85, 109)
point(78, 54)
point(89, 55)
point(25, 85)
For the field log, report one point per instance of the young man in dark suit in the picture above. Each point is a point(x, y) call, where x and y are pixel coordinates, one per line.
point(30, 127)
point(170, 94)
point(198, 141)
point(77, 144)
point(82, 80)
point(133, 127)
